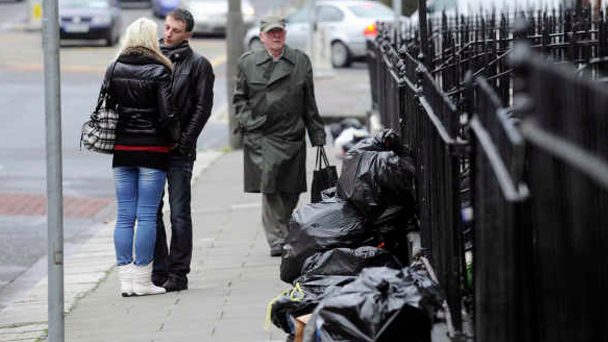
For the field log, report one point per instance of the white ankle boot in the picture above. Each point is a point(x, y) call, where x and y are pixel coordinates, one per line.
point(125, 275)
point(142, 281)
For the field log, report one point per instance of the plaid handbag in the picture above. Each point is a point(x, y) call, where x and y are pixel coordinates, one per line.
point(99, 132)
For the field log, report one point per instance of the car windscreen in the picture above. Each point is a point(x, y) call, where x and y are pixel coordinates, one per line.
point(84, 4)
point(298, 16)
point(370, 10)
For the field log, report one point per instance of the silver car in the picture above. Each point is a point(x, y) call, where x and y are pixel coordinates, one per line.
point(350, 23)
point(211, 16)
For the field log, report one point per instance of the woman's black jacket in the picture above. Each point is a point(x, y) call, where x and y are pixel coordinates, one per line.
point(140, 88)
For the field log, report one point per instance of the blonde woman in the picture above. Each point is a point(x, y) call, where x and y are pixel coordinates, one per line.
point(140, 88)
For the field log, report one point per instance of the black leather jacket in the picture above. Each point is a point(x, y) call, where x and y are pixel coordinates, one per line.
point(193, 80)
point(140, 88)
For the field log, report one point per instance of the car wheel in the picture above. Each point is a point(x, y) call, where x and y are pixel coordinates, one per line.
point(112, 39)
point(255, 44)
point(340, 56)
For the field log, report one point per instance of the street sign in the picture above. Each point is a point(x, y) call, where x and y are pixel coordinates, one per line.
point(35, 14)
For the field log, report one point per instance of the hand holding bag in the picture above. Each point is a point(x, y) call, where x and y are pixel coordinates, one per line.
point(99, 132)
point(324, 176)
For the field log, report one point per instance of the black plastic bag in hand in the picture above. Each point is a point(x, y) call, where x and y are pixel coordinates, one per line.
point(324, 176)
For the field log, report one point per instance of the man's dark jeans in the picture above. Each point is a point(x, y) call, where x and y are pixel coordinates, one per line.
point(177, 259)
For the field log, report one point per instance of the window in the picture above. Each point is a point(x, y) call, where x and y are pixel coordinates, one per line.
point(328, 14)
point(300, 16)
point(371, 10)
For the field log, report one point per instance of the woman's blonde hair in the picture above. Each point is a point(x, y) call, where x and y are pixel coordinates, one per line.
point(143, 33)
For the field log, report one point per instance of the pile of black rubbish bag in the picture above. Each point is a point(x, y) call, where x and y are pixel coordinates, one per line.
point(345, 255)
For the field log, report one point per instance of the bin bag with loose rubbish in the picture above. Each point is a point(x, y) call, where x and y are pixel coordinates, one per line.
point(321, 226)
point(337, 128)
point(383, 304)
point(373, 176)
point(393, 227)
point(302, 299)
point(349, 262)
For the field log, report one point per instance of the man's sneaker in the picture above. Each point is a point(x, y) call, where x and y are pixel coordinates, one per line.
point(276, 251)
point(176, 283)
point(159, 279)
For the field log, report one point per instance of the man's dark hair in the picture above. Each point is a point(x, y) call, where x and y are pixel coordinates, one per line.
point(183, 15)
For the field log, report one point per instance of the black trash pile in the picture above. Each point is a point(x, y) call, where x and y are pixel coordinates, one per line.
point(382, 304)
point(344, 255)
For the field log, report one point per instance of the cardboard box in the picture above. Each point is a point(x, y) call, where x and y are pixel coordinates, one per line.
point(300, 324)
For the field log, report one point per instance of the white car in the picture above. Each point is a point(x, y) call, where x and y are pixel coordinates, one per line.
point(435, 8)
point(350, 24)
point(211, 16)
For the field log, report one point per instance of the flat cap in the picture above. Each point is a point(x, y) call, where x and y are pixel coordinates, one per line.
point(272, 22)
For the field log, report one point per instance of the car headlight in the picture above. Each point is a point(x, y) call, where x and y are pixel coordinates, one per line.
point(248, 11)
point(101, 20)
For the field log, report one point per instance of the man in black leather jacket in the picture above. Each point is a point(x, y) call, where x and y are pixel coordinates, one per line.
point(193, 96)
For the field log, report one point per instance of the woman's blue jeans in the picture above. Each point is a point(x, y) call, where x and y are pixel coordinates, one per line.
point(138, 194)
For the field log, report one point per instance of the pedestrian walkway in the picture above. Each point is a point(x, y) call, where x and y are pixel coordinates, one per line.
point(232, 279)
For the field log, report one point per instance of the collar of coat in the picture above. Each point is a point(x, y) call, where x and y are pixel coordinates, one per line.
point(176, 53)
point(288, 54)
point(284, 65)
point(142, 55)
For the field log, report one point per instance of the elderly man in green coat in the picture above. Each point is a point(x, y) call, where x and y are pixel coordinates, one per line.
point(275, 103)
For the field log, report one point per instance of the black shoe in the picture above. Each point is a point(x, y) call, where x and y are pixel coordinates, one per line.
point(158, 279)
point(176, 283)
point(276, 251)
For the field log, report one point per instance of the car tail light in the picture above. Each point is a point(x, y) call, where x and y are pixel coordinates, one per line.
point(371, 30)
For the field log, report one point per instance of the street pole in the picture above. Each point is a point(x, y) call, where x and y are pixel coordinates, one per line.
point(52, 82)
point(398, 11)
point(235, 32)
point(311, 28)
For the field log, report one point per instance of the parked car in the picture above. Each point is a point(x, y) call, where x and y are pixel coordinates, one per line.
point(211, 16)
point(160, 8)
point(350, 23)
point(436, 8)
point(90, 19)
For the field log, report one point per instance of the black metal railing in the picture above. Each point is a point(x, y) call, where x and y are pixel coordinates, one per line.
point(529, 137)
point(502, 242)
point(567, 172)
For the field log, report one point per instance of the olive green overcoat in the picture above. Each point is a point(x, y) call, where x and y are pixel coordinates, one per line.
point(274, 105)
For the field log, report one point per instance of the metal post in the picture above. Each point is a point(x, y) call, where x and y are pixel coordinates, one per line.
point(422, 26)
point(50, 42)
point(312, 23)
point(235, 33)
point(398, 11)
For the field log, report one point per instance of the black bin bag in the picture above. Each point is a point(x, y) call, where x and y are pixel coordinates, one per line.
point(348, 262)
point(383, 304)
point(377, 172)
point(322, 226)
point(303, 298)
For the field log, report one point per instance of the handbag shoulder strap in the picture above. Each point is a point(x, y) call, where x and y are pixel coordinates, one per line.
point(105, 87)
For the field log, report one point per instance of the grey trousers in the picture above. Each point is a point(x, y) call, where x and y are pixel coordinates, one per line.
point(276, 213)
